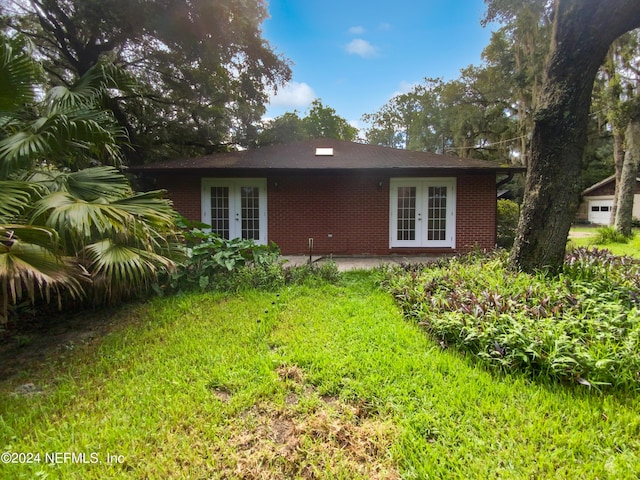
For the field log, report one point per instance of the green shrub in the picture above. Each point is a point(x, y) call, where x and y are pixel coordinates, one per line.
point(580, 327)
point(215, 263)
point(508, 215)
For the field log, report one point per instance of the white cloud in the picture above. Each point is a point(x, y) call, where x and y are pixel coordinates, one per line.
point(384, 27)
point(361, 47)
point(404, 87)
point(358, 30)
point(361, 127)
point(293, 95)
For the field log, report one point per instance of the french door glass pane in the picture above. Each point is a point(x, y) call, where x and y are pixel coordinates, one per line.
point(437, 213)
point(250, 204)
point(406, 229)
point(220, 211)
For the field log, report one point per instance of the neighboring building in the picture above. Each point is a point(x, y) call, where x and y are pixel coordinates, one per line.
point(346, 198)
point(597, 202)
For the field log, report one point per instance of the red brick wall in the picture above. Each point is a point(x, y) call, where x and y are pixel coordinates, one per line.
point(344, 214)
point(476, 212)
point(348, 214)
point(184, 192)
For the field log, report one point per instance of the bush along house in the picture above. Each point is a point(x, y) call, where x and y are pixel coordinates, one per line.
point(341, 198)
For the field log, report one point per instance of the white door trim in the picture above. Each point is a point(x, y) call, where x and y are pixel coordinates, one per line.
point(421, 213)
point(236, 210)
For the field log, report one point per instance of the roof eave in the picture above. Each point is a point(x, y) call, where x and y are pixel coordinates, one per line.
point(394, 169)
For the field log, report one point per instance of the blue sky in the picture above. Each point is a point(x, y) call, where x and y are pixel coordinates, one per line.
point(356, 54)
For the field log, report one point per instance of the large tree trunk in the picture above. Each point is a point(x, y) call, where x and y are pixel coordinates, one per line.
point(627, 186)
point(618, 161)
point(582, 33)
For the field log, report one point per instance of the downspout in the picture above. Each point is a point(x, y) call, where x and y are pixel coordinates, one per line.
point(505, 180)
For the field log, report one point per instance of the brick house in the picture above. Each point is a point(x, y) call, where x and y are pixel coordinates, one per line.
point(346, 198)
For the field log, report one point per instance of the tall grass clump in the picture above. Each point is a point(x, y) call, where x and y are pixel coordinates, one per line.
point(581, 326)
point(609, 235)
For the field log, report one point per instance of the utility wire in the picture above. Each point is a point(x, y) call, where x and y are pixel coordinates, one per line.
point(488, 145)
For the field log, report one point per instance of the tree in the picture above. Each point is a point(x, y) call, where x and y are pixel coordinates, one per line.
point(203, 66)
point(411, 120)
point(486, 113)
point(626, 187)
point(474, 115)
point(66, 232)
point(324, 122)
point(583, 30)
point(320, 122)
point(519, 51)
point(464, 117)
point(616, 92)
point(283, 129)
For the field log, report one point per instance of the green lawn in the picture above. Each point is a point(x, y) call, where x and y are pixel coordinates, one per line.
point(315, 382)
point(632, 248)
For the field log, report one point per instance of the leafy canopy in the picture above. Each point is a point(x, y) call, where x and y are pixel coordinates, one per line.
point(203, 67)
point(320, 122)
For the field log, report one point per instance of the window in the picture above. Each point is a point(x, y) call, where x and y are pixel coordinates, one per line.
point(236, 208)
point(422, 212)
point(220, 211)
point(406, 205)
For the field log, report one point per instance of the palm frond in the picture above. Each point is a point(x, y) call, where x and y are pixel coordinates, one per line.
point(88, 184)
point(143, 219)
point(30, 264)
point(120, 271)
point(17, 76)
point(80, 222)
point(151, 208)
point(46, 237)
point(60, 134)
point(104, 182)
point(15, 197)
point(89, 88)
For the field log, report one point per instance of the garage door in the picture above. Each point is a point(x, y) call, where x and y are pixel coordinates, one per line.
point(600, 211)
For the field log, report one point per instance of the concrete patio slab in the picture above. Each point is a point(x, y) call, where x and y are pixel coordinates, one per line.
point(346, 263)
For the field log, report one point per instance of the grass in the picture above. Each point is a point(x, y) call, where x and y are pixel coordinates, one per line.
point(318, 381)
point(631, 248)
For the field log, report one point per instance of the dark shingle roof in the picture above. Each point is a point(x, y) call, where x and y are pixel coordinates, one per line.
point(602, 183)
point(346, 156)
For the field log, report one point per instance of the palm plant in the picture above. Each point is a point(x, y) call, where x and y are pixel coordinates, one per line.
point(31, 262)
point(122, 238)
point(71, 232)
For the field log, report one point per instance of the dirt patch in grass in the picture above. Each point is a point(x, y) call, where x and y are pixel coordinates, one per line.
point(282, 443)
point(290, 373)
point(582, 234)
point(222, 394)
point(271, 442)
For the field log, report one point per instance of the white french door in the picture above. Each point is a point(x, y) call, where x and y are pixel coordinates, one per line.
point(422, 212)
point(236, 207)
